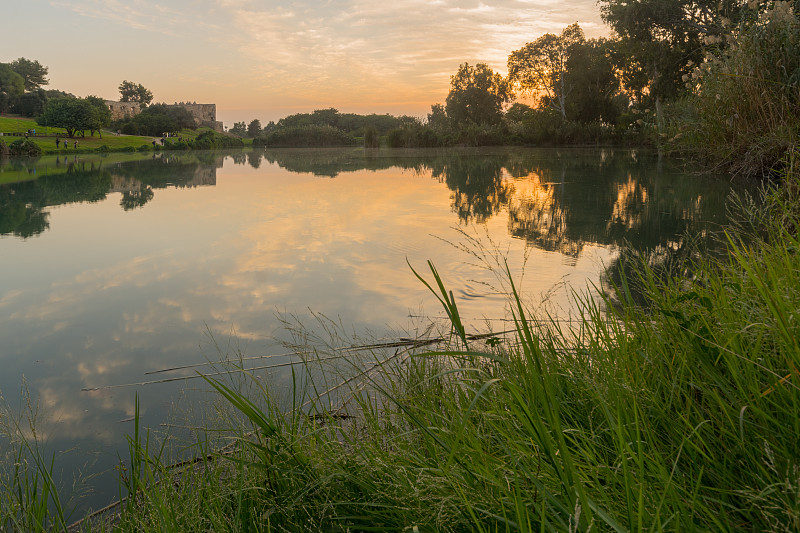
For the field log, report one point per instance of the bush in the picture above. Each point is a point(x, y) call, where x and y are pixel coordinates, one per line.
point(144, 148)
point(104, 148)
point(127, 149)
point(3, 148)
point(24, 147)
point(177, 145)
point(371, 139)
point(744, 116)
point(311, 136)
point(210, 140)
point(481, 135)
point(414, 136)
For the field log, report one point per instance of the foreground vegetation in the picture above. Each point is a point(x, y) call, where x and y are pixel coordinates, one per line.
point(671, 406)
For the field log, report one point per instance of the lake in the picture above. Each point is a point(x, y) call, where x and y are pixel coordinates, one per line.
point(120, 266)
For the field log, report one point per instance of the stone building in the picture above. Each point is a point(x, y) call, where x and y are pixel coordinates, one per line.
point(123, 109)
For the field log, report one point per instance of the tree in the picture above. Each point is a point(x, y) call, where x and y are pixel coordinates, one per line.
point(663, 39)
point(32, 72)
point(540, 68)
point(591, 73)
point(31, 103)
point(72, 114)
point(239, 129)
point(437, 118)
point(12, 86)
point(156, 119)
point(517, 112)
point(254, 128)
point(477, 95)
point(100, 116)
point(133, 92)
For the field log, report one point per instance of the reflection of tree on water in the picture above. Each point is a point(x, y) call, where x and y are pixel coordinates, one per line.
point(557, 200)
point(478, 185)
point(609, 200)
point(23, 204)
point(131, 199)
point(254, 159)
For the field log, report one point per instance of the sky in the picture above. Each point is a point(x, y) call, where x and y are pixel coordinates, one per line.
point(268, 59)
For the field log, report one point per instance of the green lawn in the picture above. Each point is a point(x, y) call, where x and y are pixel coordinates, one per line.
point(85, 144)
point(114, 142)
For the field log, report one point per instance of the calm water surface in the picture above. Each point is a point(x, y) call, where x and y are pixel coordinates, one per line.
point(113, 268)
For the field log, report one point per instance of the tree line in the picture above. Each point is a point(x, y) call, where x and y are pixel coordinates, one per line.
point(717, 80)
point(714, 79)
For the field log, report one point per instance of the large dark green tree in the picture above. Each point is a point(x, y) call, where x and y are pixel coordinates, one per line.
point(664, 39)
point(591, 74)
point(135, 92)
point(254, 128)
point(33, 73)
point(12, 86)
point(239, 129)
point(100, 114)
point(75, 114)
point(31, 103)
point(477, 95)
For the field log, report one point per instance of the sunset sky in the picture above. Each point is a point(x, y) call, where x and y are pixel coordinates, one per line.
point(268, 59)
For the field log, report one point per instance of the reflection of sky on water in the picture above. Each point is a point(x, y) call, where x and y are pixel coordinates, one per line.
point(105, 295)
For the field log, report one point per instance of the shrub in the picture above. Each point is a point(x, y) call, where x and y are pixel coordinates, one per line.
point(210, 140)
point(144, 148)
point(104, 148)
point(24, 147)
point(371, 139)
point(311, 136)
point(127, 149)
point(177, 145)
point(744, 116)
point(414, 136)
point(480, 135)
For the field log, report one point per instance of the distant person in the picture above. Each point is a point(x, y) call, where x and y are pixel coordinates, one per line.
point(65, 144)
point(58, 141)
point(154, 144)
point(75, 145)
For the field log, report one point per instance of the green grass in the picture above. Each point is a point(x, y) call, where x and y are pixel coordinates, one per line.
point(88, 144)
point(671, 406)
point(85, 144)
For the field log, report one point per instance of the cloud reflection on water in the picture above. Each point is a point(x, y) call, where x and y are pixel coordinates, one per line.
point(113, 294)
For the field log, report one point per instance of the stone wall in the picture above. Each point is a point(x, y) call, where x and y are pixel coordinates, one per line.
point(123, 109)
point(204, 114)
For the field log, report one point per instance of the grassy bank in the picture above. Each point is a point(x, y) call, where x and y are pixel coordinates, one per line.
point(107, 141)
point(673, 406)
